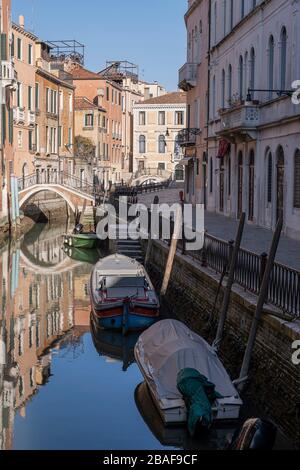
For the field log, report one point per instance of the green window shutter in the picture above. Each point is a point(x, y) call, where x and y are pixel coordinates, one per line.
point(11, 126)
point(3, 122)
point(13, 45)
point(3, 46)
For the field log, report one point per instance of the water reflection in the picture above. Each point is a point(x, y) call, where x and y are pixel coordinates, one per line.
point(38, 308)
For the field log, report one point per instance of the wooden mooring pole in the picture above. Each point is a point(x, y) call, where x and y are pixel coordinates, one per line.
point(172, 251)
point(230, 281)
point(260, 305)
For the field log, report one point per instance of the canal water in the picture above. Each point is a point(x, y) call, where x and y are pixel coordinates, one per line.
point(61, 385)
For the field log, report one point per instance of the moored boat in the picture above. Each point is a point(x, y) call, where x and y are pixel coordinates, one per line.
point(81, 240)
point(166, 349)
point(122, 295)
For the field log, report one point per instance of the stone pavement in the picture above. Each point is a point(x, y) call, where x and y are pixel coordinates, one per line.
point(255, 239)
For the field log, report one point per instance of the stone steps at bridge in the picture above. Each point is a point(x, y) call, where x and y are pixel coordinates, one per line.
point(128, 247)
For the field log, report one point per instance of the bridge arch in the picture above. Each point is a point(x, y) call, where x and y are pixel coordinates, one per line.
point(27, 194)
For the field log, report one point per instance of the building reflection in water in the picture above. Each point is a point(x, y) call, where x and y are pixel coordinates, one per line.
point(38, 311)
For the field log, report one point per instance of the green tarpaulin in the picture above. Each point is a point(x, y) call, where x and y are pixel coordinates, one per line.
point(199, 395)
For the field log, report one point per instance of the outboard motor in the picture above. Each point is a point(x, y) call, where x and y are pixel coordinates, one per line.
point(78, 229)
point(255, 434)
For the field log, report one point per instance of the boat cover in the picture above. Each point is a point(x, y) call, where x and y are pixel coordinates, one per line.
point(168, 347)
point(199, 395)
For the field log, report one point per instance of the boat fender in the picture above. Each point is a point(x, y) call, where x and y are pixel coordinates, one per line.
point(255, 434)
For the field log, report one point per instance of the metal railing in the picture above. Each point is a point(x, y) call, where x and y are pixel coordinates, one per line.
point(141, 189)
point(188, 136)
point(63, 179)
point(284, 285)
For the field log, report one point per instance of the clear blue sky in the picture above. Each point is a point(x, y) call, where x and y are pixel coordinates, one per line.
point(150, 33)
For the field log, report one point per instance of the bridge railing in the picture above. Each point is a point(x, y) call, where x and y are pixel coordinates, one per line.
point(64, 179)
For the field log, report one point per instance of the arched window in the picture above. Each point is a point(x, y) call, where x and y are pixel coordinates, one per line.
point(213, 110)
point(251, 181)
point(142, 144)
point(246, 77)
point(283, 41)
point(241, 77)
point(271, 66)
point(297, 179)
point(223, 89)
point(252, 70)
point(270, 177)
point(229, 84)
point(162, 144)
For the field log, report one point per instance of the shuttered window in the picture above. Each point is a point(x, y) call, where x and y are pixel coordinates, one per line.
point(3, 46)
point(3, 122)
point(297, 180)
point(11, 126)
point(270, 177)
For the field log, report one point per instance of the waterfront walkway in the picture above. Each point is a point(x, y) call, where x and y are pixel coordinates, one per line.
point(255, 239)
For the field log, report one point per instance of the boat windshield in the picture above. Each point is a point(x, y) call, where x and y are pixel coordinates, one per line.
point(117, 282)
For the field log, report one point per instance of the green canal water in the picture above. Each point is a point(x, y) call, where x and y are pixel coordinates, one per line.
point(61, 385)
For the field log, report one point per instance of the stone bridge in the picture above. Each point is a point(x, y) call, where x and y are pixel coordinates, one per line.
point(75, 191)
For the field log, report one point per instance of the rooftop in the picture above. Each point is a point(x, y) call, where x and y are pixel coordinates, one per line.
point(82, 102)
point(177, 97)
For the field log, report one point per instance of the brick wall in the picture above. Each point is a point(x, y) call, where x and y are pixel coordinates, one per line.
point(274, 385)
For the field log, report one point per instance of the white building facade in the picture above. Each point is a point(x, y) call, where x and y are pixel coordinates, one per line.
point(254, 127)
point(157, 125)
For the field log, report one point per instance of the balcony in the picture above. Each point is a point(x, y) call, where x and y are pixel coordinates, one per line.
point(19, 115)
point(7, 73)
point(31, 118)
point(188, 76)
point(188, 137)
point(241, 121)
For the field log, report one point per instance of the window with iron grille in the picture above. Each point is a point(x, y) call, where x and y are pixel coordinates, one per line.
point(297, 180)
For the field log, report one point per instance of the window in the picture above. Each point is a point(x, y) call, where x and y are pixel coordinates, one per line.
point(211, 176)
point(47, 139)
point(270, 177)
point(107, 93)
point(283, 40)
point(142, 144)
point(252, 70)
point(19, 95)
point(37, 137)
point(60, 136)
point(242, 9)
point(30, 54)
point(89, 120)
point(271, 66)
point(30, 140)
point(241, 77)
point(142, 118)
point(70, 136)
point(161, 118)
point(61, 100)
point(70, 102)
point(297, 180)
point(19, 48)
point(231, 14)
point(20, 139)
point(47, 100)
point(3, 48)
point(214, 97)
point(161, 144)
point(179, 118)
point(30, 98)
point(223, 89)
point(229, 84)
point(37, 96)
point(161, 166)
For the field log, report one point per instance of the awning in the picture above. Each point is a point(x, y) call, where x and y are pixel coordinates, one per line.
point(224, 148)
point(186, 161)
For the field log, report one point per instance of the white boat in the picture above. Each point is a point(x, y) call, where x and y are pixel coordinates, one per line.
point(163, 351)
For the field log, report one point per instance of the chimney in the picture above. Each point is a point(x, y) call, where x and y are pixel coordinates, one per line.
point(22, 21)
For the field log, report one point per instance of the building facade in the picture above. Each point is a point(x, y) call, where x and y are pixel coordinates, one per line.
point(90, 123)
point(107, 95)
point(157, 124)
point(254, 127)
point(193, 78)
point(252, 163)
point(7, 84)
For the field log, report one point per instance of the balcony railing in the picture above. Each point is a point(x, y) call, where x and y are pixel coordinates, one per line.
point(187, 137)
point(19, 115)
point(188, 76)
point(243, 117)
point(31, 118)
point(7, 72)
